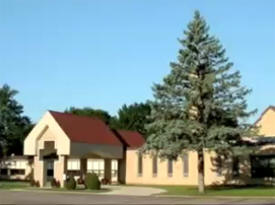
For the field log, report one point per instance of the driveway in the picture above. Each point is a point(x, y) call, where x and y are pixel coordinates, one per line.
point(132, 190)
point(44, 197)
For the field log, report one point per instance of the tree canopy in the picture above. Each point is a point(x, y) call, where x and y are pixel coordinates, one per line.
point(132, 117)
point(200, 105)
point(14, 126)
point(90, 112)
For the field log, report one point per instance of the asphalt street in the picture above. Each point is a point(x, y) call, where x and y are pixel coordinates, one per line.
point(38, 197)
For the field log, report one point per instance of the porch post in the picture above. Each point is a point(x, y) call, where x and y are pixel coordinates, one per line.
point(107, 169)
point(121, 172)
point(121, 175)
point(83, 167)
point(64, 159)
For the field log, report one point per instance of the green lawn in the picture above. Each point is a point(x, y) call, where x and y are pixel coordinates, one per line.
point(219, 191)
point(170, 190)
point(14, 185)
point(9, 185)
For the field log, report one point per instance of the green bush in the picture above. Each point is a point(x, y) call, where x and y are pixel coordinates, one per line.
point(70, 183)
point(92, 181)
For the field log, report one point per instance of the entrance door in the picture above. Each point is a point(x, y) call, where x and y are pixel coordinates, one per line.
point(49, 170)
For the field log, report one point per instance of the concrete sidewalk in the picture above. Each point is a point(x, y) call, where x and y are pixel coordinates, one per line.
point(131, 190)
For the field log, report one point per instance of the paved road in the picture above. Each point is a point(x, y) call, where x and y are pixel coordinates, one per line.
point(33, 197)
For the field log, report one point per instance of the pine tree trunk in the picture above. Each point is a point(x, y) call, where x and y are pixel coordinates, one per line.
point(201, 172)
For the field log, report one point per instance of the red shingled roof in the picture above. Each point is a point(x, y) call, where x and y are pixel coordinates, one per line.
point(132, 139)
point(85, 129)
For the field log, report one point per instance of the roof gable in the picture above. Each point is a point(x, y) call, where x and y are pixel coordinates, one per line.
point(85, 129)
point(46, 123)
point(271, 107)
point(266, 122)
point(132, 139)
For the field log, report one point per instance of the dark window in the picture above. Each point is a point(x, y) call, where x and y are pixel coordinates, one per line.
point(140, 164)
point(170, 167)
point(262, 166)
point(73, 173)
point(155, 165)
point(17, 171)
point(219, 165)
point(185, 162)
point(4, 172)
point(236, 166)
point(49, 145)
point(50, 172)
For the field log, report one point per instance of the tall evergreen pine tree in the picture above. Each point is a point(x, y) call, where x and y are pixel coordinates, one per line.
point(200, 105)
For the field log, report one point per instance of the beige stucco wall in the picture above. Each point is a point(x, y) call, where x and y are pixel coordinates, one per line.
point(177, 178)
point(38, 167)
point(46, 129)
point(266, 126)
point(59, 169)
point(266, 123)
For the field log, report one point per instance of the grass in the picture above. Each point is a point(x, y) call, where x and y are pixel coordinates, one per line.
point(251, 191)
point(14, 185)
point(9, 185)
point(219, 191)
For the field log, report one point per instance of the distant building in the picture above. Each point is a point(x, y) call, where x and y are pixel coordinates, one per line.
point(15, 167)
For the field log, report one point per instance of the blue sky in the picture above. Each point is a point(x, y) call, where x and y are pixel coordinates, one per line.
point(106, 53)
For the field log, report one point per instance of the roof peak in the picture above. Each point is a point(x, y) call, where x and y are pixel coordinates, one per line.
point(272, 107)
point(75, 115)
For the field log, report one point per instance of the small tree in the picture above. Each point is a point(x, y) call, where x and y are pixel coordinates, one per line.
point(200, 105)
point(14, 126)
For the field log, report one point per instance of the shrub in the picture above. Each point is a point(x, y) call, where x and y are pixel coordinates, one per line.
point(70, 183)
point(32, 182)
point(37, 183)
point(80, 181)
point(105, 181)
point(55, 183)
point(92, 181)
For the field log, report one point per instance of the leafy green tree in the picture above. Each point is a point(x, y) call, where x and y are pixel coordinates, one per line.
point(13, 125)
point(200, 105)
point(132, 117)
point(90, 112)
